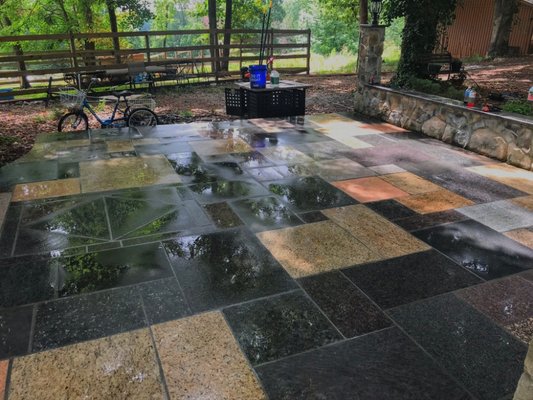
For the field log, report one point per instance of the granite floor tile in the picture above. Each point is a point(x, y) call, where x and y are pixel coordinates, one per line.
point(46, 189)
point(386, 169)
point(506, 301)
point(9, 230)
point(478, 248)
point(523, 330)
point(67, 170)
point(310, 194)
point(163, 300)
point(340, 169)
point(67, 321)
point(17, 173)
point(121, 173)
point(397, 154)
point(314, 248)
point(277, 327)
point(325, 151)
point(375, 232)
point(522, 236)
point(223, 190)
point(422, 221)
point(223, 268)
point(169, 146)
point(410, 183)
point(265, 174)
point(3, 377)
point(391, 209)
point(436, 201)
point(222, 215)
point(220, 146)
point(384, 365)
point(252, 159)
point(377, 139)
point(369, 189)
point(402, 280)
point(114, 146)
point(525, 202)
point(15, 326)
point(344, 304)
point(201, 359)
point(116, 367)
point(312, 216)
point(5, 199)
point(508, 175)
point(500, 215)
point(481, 355)
point(286, 155)
point(265, 213)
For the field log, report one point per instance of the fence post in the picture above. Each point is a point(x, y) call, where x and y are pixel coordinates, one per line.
point(73, 51)
point(147, 45)
point(308, 52)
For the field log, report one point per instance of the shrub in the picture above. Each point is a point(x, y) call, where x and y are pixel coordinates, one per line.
point(522, 107)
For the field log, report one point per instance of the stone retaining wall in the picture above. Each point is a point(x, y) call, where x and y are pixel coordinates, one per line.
point(506, 137)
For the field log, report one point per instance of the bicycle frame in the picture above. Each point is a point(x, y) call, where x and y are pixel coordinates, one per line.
point(109, 122)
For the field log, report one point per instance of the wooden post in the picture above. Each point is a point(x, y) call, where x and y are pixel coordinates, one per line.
point(147, 45)
point(308, 51)
point(75, 60)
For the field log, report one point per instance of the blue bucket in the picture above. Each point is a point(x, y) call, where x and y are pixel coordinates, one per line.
point(258, 76)
point(6, 97)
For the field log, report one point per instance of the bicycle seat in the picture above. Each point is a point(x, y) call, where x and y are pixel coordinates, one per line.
point(124, 93)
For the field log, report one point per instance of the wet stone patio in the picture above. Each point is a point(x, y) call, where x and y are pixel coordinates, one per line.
point(326, 257)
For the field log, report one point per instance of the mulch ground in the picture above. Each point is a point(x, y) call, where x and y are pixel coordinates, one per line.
point(21, 122)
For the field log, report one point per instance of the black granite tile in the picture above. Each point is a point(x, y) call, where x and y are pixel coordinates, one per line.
point(155, 194)
point(15, 327)
point(163, 300)
point(391, 209)
point(265, 213)
point(27, 280)
point(402, 280)
point(113, 268)
point(96, 151)
point(32, 241)
point(68, 170)
point(265, 174)
point(222, 215)
point(277, 327)
point(220, 190)
point(223, 268)
point(310, 194)
point(418, 221)
point(345, 305)
point(385, 365)
point(252, 159)
point(24, 172)
point(189, 166)
point(485, 358)
point(313, 216)
point(478, 248)
point(163, 148)
point(67, 321)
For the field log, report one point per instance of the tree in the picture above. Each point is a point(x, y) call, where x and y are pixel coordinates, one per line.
point(504, 12)
point(212, 15)
point(227, 35)
point(363, 12)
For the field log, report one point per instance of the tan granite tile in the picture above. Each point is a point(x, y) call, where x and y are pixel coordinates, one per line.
point(524, 202)
point(115, 146)
point(523, 236)
point(271, 125)
point(383, 127)
point(201, 360)
point(220, 146)
point(5, 198)
point(286, 155)
point(116, 367)
point(46, 189)
point(522, 330)
point(146, 141)
point(369, 189)
point(314, 248)
point(127, 172)
point(438, 200)
point(517, 178)
point(410, 183)
point(3, 377)
point(377, 233)
point(348, 140)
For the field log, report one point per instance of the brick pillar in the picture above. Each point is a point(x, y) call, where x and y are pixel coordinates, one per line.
point(370, 52)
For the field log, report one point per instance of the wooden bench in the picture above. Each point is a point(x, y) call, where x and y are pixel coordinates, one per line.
point(432, 64)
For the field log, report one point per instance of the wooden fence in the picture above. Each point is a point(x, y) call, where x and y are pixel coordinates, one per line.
point(72, 56)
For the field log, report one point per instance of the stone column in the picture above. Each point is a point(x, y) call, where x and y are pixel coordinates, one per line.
point(524, 391)
point(370, 52)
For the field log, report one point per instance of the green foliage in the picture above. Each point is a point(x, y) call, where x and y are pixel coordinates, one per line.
point(437, 88)
point(522, 107)
point(7, 140)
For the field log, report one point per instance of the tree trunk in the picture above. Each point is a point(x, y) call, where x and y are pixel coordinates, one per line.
point(89, 45)
point(24, 82)
point(114, 28)
point(363, 12)
point(212, 14)
point(502, 24)
point(227, 35)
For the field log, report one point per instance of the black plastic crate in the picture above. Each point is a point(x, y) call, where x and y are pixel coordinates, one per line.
point(276, 103)
point(236, 103)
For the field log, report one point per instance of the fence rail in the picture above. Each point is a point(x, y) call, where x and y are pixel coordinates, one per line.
point(71, 55)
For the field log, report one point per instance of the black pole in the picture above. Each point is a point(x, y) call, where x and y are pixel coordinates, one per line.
point(266, 35)
point(261, 43)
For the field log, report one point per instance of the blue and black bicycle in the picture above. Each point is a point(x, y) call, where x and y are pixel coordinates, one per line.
point(127, 112)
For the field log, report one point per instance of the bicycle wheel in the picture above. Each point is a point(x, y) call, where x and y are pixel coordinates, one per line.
point(73, 121)
point(142, 117)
